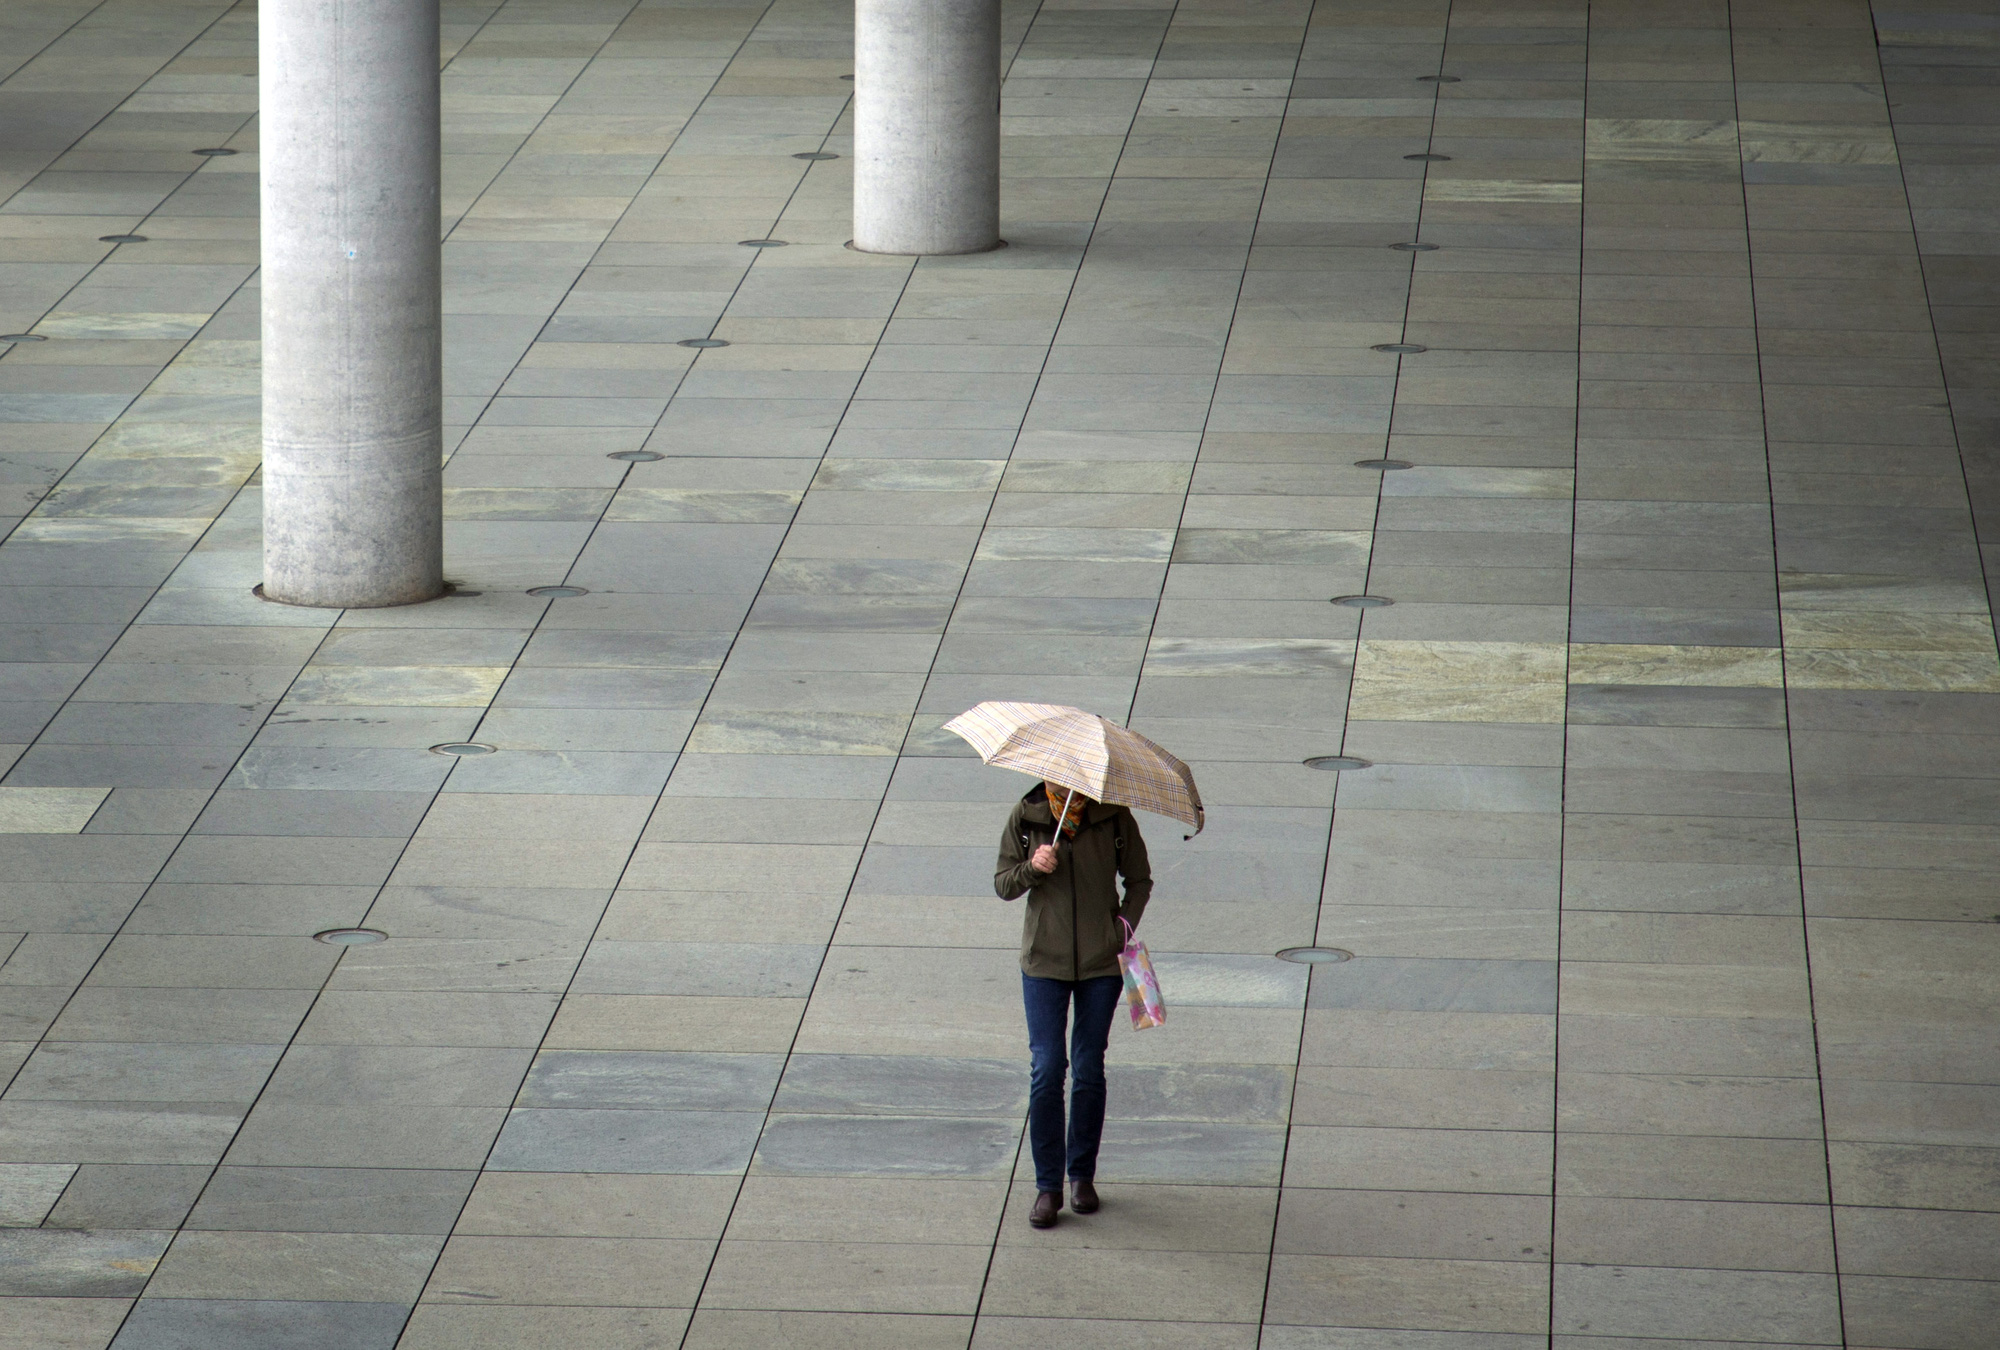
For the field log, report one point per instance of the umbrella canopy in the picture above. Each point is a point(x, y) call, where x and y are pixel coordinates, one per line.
point(1083, 752)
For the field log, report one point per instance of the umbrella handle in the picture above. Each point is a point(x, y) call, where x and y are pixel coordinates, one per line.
point(1057, 841)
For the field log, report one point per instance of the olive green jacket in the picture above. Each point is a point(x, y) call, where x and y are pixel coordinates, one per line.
point(1071, 929)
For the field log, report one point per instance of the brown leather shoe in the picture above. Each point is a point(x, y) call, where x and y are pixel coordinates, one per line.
point(1047, 1205)
point(1082, 1195)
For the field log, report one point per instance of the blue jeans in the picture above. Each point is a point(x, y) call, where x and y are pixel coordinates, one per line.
point(1048, 1002)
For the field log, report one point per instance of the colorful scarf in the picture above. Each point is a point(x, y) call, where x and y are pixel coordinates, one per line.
point(1072, 822)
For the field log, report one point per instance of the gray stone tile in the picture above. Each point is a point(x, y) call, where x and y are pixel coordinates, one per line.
point(241, 1324)
point(67, 1264)
point(1422, 984)
point(651, 1079)
point(626, 1140)
point(107, 1071)
point(902, 1085)
point(331, 1200)
point(130, 1195)
point(742, 970)
point(887, 1146)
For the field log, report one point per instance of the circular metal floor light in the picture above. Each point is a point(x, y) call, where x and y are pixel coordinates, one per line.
point(22, 337)
point(1415, 248)
point(215, 151)
point(121, 238)
point(465, 748)
point(1363, 601)
point(636, 456)
point(351, 937)
point(703, 344)
point(1384, 464)
point(1399, 348)
point(763, 243)
point(1335, 763)
point(1437, 79)
point(557, 592)
point(816, 154)
point(1429, 158)
point(1315, 956)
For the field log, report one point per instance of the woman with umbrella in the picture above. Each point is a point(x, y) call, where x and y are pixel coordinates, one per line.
point(1067, 845)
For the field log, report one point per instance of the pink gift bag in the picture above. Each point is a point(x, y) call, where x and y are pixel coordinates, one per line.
point(1142, 986)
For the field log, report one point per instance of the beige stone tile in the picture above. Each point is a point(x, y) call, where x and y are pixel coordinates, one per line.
point(853, 1209)
point(1207, 1036)
point(730, 1329)
point(1916, 1176)
point(1457, 681)
point(1428, 1224)
point(676, 1022)
point(399, 686)
point(445, 1326)
point(1928, 1244)
point(1369, 1038)
point(1880, 632)
point(533, 815)
point(899, 1277)
point(60, 1323)
point(1693, 1233)
point(1429, 1295)
point(916, 1001)
point(1606, 987)
point(570, 1271)
point(581, 1204)
point(1424, 1098)
point(1684, 939)
point(1953, 671)
point(1499, 1162)
point(343, 1267)
point(927, 921)
point(1096, 1282)
point(48, 810)
point(1683, 1167)
point(1638, 663)
point(1033, 1333)
point(720, 916)
point(1137, 1217)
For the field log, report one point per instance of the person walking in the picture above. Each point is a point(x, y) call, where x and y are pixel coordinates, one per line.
point(1070, 939)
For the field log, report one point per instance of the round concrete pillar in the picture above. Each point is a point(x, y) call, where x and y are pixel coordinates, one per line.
point(926, 125)
point(353, 388)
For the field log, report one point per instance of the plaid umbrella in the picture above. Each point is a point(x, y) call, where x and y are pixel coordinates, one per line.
point(1084, 753)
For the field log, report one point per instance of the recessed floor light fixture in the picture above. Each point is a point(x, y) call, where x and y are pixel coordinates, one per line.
point(702, 344)
point(1383, 464)
point(1437, 79)
point(1415, 248)
point(1399, 348)
point(1428, 158)
point(465, 748)
point(816, 154)
point(1315, 956)
point(636, 456)
point(1335, 763)
point(22, 337)
point(215, 151)
point(763, 243)
point(557, 592)
point(1363, 601)
point(121, 238)
point(351, 937)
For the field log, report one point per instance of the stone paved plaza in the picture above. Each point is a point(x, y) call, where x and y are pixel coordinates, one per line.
point(1672, 887)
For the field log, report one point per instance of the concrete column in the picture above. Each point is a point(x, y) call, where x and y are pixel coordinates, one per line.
point(353, 391)
point(926, 125)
